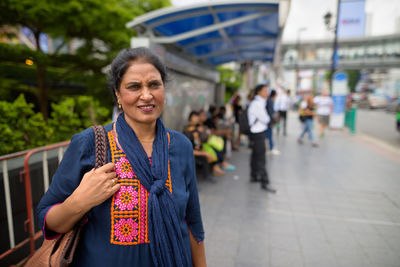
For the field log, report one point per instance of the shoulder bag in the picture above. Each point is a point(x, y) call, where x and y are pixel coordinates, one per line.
point(59, 252)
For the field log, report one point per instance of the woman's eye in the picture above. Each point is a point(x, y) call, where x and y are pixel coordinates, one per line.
point(154, 85)
point(134, 86)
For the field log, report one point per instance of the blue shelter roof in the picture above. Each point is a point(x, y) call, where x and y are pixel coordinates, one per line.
point(216, 32)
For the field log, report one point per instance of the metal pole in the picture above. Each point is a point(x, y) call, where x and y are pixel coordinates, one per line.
point(335, 46)
point(298, 56)
point(60, 154)
point(10, 222)
point(297, 59)
point(45, 171)
point(28, 195)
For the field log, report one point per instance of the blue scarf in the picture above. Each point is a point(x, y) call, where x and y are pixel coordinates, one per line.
point(166, 241)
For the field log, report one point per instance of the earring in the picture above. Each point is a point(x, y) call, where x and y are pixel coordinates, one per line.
point(119, 106)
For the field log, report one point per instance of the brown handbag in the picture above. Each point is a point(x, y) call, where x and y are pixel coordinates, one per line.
point(59, 252)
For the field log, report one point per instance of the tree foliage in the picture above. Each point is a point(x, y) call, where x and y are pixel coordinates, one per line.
point(22, 128)
point(74, 114)
point(232, 80)
point(85, 36)
point(354, 76)
point(97, 27)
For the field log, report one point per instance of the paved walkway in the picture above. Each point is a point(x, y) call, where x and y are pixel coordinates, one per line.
point(338, 205)
point(378, 124)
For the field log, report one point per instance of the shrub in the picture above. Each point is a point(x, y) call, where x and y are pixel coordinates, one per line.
point(23, 129)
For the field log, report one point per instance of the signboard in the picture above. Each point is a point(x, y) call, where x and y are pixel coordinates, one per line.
point(339, 94)
point(351, 18)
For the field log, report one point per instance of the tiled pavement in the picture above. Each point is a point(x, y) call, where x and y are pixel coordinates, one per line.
point(338, 205)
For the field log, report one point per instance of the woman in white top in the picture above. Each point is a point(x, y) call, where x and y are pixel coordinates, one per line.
point(324, 105)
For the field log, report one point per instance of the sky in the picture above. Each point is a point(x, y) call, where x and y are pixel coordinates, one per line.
point(309, 14)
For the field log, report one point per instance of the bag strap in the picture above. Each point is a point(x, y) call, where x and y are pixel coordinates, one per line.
point(100, 150)
point(73, 237)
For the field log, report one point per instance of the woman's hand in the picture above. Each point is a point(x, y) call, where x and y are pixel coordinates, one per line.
point(96, 186)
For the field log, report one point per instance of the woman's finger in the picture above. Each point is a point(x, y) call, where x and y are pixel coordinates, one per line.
point(115, 188)
point(110, 175)
point(109, 167)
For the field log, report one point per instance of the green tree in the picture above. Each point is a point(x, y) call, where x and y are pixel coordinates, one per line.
point(74, 114)
point(98, 26)
point(21, 127)
point(151, 5)
point(354, 76)
point(232, 80)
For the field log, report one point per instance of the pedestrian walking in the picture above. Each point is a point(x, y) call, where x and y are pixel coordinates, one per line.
point(258, 120)
point(282, 105)
point(142, 206)
point(274, 117)
point(307, 112)
point(324, 106)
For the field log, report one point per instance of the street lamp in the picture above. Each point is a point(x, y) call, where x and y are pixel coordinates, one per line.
point(327, 21)
point(299, 31)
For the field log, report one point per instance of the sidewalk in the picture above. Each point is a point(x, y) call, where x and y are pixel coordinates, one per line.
point(338, 205)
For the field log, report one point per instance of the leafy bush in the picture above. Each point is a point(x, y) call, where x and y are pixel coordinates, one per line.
point(232, 80)
point(23, 129)
point(64, 121)
point(74, 114)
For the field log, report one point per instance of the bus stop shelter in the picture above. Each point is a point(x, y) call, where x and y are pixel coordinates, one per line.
point(192, 40)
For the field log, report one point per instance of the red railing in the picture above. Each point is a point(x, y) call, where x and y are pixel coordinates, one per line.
point(25, 173)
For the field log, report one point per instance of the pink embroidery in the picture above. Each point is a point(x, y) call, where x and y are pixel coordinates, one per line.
point(143, 215)
point(129, 204)
point(123, 168)
point(126, 230)
point(126, 198)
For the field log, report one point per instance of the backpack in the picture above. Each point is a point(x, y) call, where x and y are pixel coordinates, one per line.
point(244, 125)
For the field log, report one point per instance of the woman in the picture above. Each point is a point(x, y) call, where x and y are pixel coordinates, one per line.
point(143, 207)
point(324, 105)
point(196, 134)
point(210, 126)
point(307, 112)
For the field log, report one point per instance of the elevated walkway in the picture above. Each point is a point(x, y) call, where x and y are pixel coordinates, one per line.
point(373, 52)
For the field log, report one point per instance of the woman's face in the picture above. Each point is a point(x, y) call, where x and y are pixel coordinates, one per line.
point(195, 119)
point(263, 92)
point(203, 116)
point(141, 93)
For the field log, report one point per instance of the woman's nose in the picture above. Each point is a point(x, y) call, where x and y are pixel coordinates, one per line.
point(146, 94)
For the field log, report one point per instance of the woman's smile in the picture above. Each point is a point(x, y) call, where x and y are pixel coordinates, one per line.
point(148, 108)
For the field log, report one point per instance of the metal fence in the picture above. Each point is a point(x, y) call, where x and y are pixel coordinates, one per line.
point(22, 162)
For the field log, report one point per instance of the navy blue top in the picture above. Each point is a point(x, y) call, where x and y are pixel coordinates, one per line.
point(270, 111)
point(96, 247)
